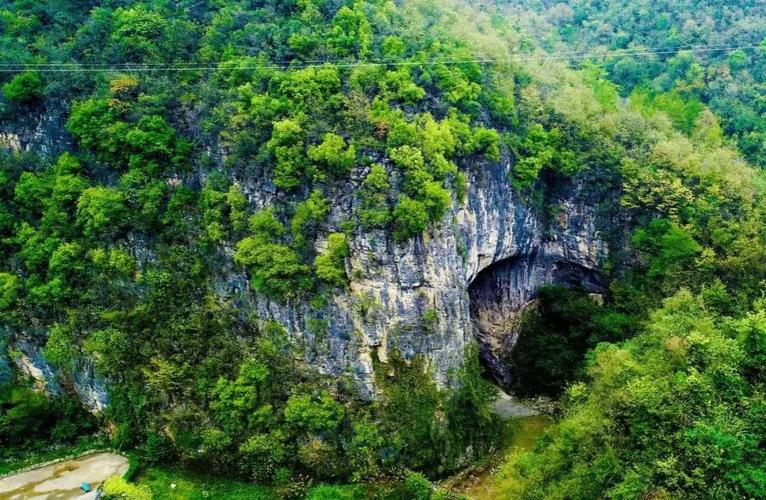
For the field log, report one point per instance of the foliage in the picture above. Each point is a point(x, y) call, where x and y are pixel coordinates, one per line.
point(419, 487)
point(27, 416)
point(314, 415)
point(540, 150)
point(416, 438)
point(680, 385)
point(116, 488)
point(375, 211)
point(101, 211)
point(671, 79)
point(410, 218)
point(197, 485)
point(24, 88)
point(276, 269)
point(331, 265)
point(332, 157)
point(308, 217)
point(119, 250)
point(556, 334)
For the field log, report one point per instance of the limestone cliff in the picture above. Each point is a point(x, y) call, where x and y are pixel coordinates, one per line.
point(464, 279)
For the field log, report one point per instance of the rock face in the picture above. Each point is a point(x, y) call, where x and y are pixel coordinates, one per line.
point(413, 298)
point(39, 132)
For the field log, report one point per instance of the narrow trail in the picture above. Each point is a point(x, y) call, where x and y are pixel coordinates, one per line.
point(61, 481)
point(508, 408)
point(489, 480)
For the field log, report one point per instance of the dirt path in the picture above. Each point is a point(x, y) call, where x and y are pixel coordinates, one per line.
point(489, 482)
point(508, 408)
point(62, 480)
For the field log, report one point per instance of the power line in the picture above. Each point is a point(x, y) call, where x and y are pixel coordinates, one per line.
point(189, 67)
point(679, 48)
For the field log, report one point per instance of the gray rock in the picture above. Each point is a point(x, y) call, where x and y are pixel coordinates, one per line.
point(495, 234)
point(476, 269)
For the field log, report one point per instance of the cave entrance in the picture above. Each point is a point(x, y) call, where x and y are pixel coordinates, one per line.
point(501, 293)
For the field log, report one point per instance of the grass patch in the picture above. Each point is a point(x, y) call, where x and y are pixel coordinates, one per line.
point(493, 479)
point(16, 459)
point(191, 485)
point(339, 492)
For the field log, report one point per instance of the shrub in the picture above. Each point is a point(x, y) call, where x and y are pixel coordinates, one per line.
point(276, 269)
point(24, 88)
point(332, 157)
point(418, 486)
point(331, 265)
point(116, 488)
point(262, 455)
point(286, 144)
point(313, 414)
point(308, 215)
point(101, 211)
point(374, 210)
point(410, 218)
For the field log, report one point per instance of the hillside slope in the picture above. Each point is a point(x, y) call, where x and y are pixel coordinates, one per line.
point(243, 234)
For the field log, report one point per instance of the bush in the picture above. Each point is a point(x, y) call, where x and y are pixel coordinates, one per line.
point(313, 414)
point(262, 455)
point(375, 211)
point(276, 269)
point(418, 486)
point(554, 337)
point(101, 211)
point(308, 215)
point(410, 218)
point(331, 265)
point(24, 88)
point(116, 488)
point(332, 157)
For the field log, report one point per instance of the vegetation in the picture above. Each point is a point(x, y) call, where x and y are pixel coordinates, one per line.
point(28, 419)
point(555, 335)
point(676, 410)
point(132, 243)
point(645, 50)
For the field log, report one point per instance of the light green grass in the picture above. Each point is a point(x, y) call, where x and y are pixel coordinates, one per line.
point(13, 460)
point(191, 485)
point(496, 479)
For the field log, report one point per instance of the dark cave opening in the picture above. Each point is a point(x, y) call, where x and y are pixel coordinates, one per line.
point(502, 292)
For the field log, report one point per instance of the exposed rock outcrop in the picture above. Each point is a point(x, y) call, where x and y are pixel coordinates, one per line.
point(414, 298)
point(410, 298)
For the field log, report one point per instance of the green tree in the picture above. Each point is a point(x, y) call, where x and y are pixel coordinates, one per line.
point(410, 218)
point(24, 88)
point(308, 217)
point(375, 211)
point(286, 144)
point(275, 268)
point(140, 34)
point(102, 212)
point(307, 413)
point(332, 157)
point(331, 264)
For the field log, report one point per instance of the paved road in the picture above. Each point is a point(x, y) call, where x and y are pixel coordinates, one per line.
point(62, 480)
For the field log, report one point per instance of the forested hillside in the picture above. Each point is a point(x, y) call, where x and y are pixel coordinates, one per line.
point(221, 225)
point(670, 55)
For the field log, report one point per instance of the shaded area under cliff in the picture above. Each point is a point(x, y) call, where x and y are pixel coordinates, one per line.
point(501, 293)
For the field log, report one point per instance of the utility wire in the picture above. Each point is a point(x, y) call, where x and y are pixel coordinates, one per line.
point(188, 67)
point(613, 52)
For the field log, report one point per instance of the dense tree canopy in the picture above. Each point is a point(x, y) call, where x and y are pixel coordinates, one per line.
point(273, 134)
